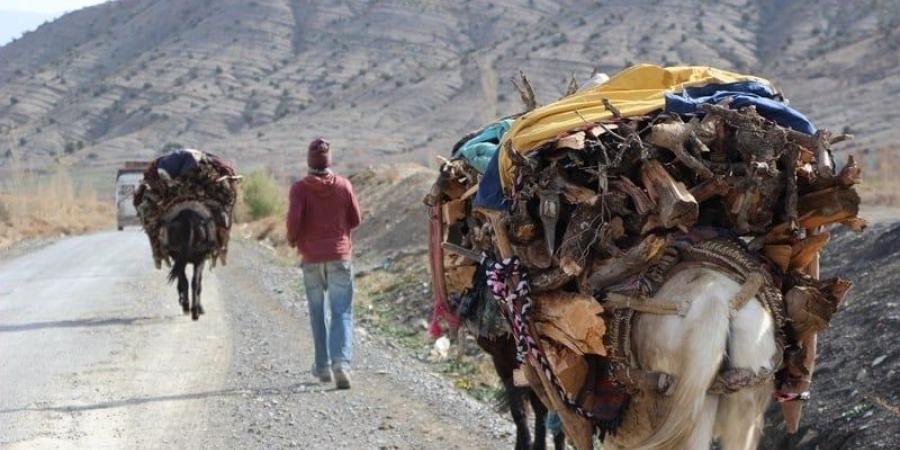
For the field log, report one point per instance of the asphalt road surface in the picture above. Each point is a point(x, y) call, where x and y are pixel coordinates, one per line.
point(95, 353)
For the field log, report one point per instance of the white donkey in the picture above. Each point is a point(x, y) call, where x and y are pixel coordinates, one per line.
point(694, 348)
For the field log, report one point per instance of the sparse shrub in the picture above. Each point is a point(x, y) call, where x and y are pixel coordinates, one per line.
point(5, 216)
point(262, 197)
point(69, 148)
point(13, 101)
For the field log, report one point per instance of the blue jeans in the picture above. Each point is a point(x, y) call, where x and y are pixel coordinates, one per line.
point(335, 278)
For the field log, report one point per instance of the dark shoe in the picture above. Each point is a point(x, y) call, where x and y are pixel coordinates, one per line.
point(342, 377)
point(323, 374)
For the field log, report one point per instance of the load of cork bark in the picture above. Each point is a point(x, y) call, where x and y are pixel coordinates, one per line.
point(595, 215)
point(187, 179)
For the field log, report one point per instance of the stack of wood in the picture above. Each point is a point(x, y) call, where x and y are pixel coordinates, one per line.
point(210, 188)
point(595, 209)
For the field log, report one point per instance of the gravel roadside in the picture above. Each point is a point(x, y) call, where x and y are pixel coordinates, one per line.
point(273, 402)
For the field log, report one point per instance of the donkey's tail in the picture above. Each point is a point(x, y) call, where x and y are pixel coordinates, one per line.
point(703, 349)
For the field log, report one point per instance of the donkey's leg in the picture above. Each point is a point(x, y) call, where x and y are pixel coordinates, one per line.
point(751, 346)
point(196, 288)
point(503, 352)
point(183, 288)
point(559, 440)
point(540, 425)
point(199, 277)
point(519, 413)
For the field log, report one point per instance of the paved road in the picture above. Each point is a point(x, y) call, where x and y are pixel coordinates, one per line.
point(95, 353)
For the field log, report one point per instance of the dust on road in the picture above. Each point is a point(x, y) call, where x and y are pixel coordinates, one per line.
point(96, 354)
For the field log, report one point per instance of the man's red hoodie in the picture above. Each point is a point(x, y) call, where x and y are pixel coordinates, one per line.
point(322, 213)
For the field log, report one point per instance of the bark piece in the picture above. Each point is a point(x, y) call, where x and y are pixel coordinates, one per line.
point(572, 320)
point(470, 255)
point(578, 429)
point(500, 235)
point(549, 279)
point(676, 206)
point(583, 230)
point(642, 202)
point(612, 270)
point(780, 255)
point(856, 224)
point(535, 255)
point(573, 193)
point(526, 92)
point(674, 136)
point(460, 278)
point(791, 157)
point(522, 229)
point(453, 211)
point(851, 173)
point(803, 252)
point(828, 206)
point(574, 141)
point(706, 190)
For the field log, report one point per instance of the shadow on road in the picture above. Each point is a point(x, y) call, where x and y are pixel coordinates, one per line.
point(296, 388)
point(79, 323)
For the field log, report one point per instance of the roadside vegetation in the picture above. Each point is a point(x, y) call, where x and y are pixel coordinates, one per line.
point(48, 205)
point(262, 197)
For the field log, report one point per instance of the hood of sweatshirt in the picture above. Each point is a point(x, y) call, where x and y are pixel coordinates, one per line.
point(321, 185)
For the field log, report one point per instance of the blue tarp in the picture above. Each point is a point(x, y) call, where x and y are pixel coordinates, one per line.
point(490, 191)
point(480, 149)
point(740, 95)
point(179, 162)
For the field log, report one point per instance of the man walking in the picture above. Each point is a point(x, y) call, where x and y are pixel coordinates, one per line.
point(323, 210)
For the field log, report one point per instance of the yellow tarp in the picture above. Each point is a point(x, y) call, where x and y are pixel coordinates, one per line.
point(635, 91)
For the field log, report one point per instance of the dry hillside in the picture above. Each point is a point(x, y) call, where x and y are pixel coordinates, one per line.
point(401, 80)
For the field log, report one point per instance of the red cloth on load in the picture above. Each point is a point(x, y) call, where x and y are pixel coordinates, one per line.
point(436, 259)
point(323, 210)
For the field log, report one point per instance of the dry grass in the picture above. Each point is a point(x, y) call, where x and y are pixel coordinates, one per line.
point(34, 206)
point(881, 177)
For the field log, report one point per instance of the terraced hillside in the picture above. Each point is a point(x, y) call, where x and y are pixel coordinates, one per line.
point(401, 80)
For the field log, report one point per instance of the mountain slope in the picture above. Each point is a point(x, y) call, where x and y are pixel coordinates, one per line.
point(400, 81)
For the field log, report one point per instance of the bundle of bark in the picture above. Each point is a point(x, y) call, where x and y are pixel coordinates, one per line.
point(209, 186)
point(596, 210)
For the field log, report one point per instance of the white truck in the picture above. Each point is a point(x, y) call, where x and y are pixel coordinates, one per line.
point(128, 178)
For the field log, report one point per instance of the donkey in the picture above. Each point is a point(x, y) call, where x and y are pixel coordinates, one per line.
point(502, 349)
point(694, 348)
point(190, 238)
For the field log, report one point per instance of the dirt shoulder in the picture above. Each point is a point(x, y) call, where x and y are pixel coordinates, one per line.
point(396, 402)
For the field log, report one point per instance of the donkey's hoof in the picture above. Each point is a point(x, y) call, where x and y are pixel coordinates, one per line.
point(195, 315)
